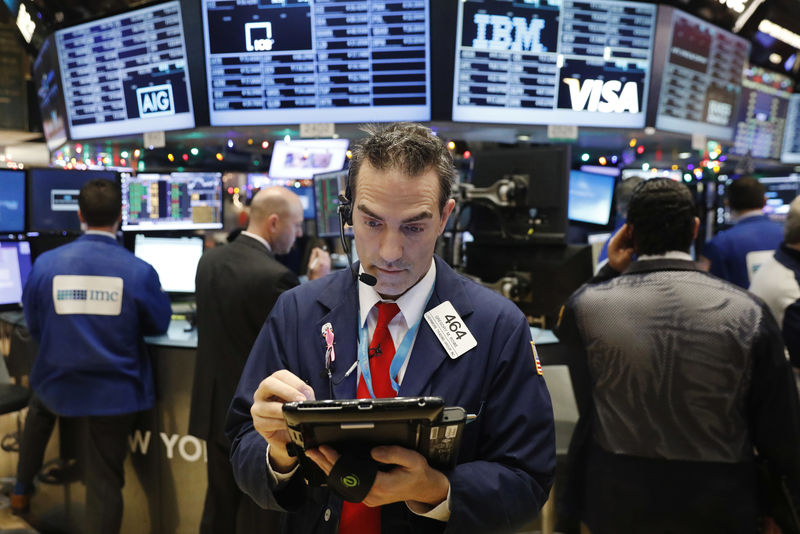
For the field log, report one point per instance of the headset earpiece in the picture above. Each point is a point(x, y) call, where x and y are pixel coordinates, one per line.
point(346, 203)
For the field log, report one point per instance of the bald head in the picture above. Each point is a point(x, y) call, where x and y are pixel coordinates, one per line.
point(276, 214)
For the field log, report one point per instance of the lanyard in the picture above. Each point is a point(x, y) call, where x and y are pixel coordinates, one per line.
point(400, 354)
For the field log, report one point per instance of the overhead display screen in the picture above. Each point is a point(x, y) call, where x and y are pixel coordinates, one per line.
point(50, 95)
point(553, 62)
point(290, 61)
point(702, 75)
point(126, 74)
point(762, 113)
point(791, 138)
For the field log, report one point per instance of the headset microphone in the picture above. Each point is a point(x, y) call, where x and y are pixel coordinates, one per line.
point(345, 211)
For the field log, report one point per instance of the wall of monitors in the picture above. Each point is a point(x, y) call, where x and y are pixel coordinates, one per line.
point(50, 95)
point(126, 74)
point(762, 113)
point(701, 78)
point(294, 61)
point(551, 62)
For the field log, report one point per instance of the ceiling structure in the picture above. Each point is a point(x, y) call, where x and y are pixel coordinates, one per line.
point(474, 136)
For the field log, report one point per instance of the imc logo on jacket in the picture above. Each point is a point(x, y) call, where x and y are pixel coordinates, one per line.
point(87, 295)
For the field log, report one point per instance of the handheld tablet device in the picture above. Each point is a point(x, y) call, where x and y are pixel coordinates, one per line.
point(422, 424)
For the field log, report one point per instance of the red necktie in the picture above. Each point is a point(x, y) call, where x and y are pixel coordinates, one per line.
point(358, 518)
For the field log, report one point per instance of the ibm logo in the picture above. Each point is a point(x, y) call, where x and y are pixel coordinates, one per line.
point(87, 294)
point(155, 100)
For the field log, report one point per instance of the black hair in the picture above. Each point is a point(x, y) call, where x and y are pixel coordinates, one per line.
point(662, 213)
point(100, 202)
point(746, 193)
point(406, 146)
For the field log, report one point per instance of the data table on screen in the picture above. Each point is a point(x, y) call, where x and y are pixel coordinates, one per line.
point(126, 74)
point(550, 62)
point(762, 113)
point(325, 61)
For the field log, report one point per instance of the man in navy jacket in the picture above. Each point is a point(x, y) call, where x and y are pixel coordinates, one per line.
point(89, 304)
point(400, 186)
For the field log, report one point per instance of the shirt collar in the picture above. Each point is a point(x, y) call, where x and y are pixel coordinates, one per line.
point(411, 303)
point(100, 232)
point(668, 255)
point(257, 238)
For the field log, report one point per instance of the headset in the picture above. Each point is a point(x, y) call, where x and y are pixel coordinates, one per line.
point(345, 211)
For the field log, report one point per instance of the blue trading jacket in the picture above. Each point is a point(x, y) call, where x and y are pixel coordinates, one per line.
point(89, 304)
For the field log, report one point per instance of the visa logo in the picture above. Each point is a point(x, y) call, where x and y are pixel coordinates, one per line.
point(258, 45)
point(605, 97)
point(526, 36)
point(155, 100)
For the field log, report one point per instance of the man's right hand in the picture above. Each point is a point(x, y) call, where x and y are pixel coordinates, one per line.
point(267, 413)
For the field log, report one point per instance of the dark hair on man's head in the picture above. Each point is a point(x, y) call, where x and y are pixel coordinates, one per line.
point(100, 202)
point(662, 213)
point(407, 147)
point(746, 193)
point(623, 193)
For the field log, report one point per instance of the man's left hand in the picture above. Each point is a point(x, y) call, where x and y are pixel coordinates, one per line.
point(412, 479)
point(319, 263)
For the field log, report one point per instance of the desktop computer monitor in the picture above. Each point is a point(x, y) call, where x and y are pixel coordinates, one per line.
point(174, 259)
point(15, 266)
point(780, 191)
point(12, 201)
point(327, 187)
point(590, 197)
point(53, 197)
point(303, 188)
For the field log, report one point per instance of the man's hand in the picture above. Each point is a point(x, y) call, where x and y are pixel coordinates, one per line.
point(412, 479)
point(267, 413)
point(621, 249)
point(319, 263)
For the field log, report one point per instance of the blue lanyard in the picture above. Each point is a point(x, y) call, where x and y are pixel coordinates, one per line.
point(400, 354)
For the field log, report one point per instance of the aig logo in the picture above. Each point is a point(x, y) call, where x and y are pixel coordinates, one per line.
point(606, 97)
point(155, 100)
point(263, 44)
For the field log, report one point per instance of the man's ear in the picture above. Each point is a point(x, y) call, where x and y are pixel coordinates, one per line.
point(696, 228)
point(83, 221)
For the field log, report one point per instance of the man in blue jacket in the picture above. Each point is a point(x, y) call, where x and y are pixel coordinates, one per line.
point(736, 253)
point(89, 304)
point(400, 181)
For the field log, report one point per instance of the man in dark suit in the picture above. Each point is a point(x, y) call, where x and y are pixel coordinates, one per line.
point(237, 285)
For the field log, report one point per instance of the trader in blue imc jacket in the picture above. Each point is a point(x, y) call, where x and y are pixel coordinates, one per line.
point(89, 304)
point(400, 180)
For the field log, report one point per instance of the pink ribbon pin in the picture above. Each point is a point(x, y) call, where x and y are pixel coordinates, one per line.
point(327, 333)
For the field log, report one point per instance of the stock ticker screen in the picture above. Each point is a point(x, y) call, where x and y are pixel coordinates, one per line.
point(553, 62)
point(126, 74)
point(702, 75)
point(327, 61)
point(176, 201)
point(762, 113)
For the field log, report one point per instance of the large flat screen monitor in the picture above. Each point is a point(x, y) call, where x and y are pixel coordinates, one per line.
point(762, 113)
point(53, 197)
point(791, 137)
point(12, 201)
point(174, 259)
point(303, 188)
point(701, 81)
point(590, 197)
point(175, 201)
point(327, 187)
point(15, 265)
point(305, 158)
point(780, 191)
point(576, 63)
point(50, 94)
point(126, 74)
point(295, 61)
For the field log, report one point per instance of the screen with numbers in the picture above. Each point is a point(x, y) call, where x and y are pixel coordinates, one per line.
point(791, 138)
point(553, 62)
point(762, 113)
point(293, 61)
point(126, 74)
point(702, 75)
